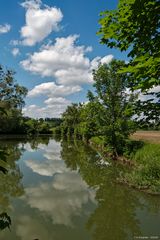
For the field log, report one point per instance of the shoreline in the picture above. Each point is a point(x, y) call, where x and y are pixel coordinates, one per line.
point(124, 162)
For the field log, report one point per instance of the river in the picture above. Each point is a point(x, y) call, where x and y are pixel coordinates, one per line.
point(58, 190)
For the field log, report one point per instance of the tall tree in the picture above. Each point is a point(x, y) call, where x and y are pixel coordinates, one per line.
point(11, 93)
point(70, 118)
point(11, 101)
point(115, 117)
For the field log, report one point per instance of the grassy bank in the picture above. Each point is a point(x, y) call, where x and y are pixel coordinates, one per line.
point(144, 162)
point(145, 174)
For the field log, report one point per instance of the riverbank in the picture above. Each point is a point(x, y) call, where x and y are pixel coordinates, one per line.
point(143, 164)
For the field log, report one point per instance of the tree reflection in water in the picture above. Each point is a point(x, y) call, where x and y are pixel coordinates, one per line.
point(5, 221)
point(10, 175)
point(115, 217)
point(10, 180)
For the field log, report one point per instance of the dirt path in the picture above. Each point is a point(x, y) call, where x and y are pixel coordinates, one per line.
point(148, 136)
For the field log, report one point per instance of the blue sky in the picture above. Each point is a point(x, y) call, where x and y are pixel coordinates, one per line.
point(53, 47)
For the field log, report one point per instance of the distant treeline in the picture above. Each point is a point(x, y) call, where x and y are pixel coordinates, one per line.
point(12, 101)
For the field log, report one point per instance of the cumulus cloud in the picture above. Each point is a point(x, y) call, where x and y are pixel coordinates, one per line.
point(51, 110)
point(50, 89)
point(55, 104)
point(64, 61)
point(5, 28)
point(106, 59)
point(15, 52)
point(40, 21)
point(101, 60)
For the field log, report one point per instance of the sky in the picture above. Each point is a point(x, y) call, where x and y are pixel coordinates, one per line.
point(53, 47)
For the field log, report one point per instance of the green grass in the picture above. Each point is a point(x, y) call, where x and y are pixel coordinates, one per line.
point(146, 172)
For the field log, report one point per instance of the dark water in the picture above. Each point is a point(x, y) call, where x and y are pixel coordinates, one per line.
point(58, 191)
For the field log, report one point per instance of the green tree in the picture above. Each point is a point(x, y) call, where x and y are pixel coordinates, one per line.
point(89, 116)
point(70, 118)
point(11, 93)
point(134, 26)
point(115, 117)
point(10, 180)
point(11, 102)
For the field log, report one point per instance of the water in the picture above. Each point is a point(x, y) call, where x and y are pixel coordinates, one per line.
point(58, 191)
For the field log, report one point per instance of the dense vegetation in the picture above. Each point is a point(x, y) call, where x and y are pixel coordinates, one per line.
point(134, 27)
point(107, 114)
point(116, 110)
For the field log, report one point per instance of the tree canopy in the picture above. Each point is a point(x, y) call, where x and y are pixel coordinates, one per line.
point(11, 101)
point(134, 27)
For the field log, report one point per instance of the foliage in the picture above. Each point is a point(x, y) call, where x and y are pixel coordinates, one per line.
point(118, 106)
point(89, 124)
point(10, 184)
point(11, 101)
point(11, 93)
point(34, 127)
point(53, 122)
point(70, 118)
point(148, 114)
point(134, 26)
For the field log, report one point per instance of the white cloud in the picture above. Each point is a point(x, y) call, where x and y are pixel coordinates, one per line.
point(64, 61)
point(40, 21)
point(54, 108)
point(5, 28)
point(57, 101)
point(50, 89)
point(106, 59)
point(55, 104)
point(15, 52)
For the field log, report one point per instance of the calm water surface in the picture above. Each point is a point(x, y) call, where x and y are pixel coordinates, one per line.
point(57, 190)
